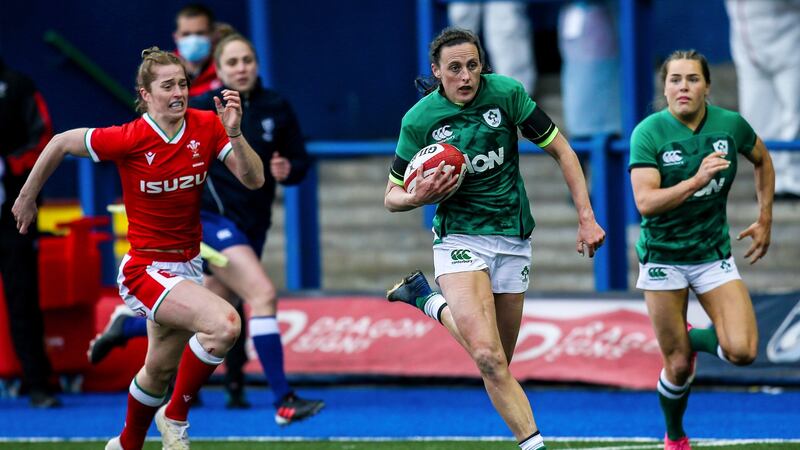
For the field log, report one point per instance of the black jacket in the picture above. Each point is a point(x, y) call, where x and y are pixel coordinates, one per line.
point(269, 125)
point(25, 129)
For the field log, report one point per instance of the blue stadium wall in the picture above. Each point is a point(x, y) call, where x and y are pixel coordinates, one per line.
point(347, 66)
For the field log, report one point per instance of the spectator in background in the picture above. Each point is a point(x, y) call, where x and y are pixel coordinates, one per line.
point(194, 37)
point(507, 33)
point(25, 129)
point(590, 87)
point(236, 220)
point(765, 44)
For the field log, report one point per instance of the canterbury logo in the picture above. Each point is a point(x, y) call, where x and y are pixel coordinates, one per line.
point(672, 157)
point(460, 255)
point(657, 273)
point(442, 134)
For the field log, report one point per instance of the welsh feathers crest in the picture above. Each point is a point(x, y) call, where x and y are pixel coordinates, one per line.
point(193, 145)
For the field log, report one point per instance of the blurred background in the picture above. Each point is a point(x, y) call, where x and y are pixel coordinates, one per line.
point(347, 67)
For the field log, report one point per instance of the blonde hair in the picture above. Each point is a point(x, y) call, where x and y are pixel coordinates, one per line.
point(153, 56)
point(227, 39)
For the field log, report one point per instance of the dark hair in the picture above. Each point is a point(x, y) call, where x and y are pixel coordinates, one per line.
point(195, 10)
point(449, 37)
point(153, 56)
point(227, 40)
point(692, 55)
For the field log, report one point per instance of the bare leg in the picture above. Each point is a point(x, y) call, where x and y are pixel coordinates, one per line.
point(471, 318)
point(731, 311)
point(667, 310)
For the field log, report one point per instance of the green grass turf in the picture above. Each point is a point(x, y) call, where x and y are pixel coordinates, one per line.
point(405, 445)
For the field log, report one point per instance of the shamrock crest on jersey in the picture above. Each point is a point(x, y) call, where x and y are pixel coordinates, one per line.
point(493, 117)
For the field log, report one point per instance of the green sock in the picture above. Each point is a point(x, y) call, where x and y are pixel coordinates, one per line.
point(673, 400)
point(704, 340)
point(423, 299)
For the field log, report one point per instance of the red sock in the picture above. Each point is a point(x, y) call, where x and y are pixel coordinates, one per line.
point(137, 422)
point(193, 372)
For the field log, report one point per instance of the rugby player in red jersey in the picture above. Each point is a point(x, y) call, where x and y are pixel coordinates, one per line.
point(163, 159)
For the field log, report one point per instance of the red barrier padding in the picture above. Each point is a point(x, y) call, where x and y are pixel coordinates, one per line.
point(69, 266)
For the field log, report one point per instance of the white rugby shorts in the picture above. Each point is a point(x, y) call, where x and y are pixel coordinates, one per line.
point(144, 282)
point(701, 278)
point(506, 258)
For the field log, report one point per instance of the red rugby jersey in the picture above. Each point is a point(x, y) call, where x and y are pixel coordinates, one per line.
point(162, 177)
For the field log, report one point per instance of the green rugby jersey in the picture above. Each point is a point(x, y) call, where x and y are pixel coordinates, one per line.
point(696, 231)
point(492, 198)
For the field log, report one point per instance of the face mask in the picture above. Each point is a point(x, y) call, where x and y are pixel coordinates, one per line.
point(194, 48)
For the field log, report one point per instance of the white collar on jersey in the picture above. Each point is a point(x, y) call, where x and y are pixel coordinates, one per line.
point(175, 139)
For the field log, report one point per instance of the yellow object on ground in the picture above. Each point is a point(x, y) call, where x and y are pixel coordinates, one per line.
point(52, 214)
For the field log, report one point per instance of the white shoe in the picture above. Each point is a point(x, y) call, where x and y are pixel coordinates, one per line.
point(174, 433)
point(114, 444)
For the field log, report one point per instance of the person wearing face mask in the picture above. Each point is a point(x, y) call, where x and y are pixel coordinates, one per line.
point(193, 35)
point(235, 221)
point(488, 220)
point(683, 162)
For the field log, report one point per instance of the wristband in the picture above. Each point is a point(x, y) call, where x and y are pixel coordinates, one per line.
point(235, 135)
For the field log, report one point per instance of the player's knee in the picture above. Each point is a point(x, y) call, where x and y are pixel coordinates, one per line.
point(742, 356)
point(489, 361)
point(680, 366)
point(227, 328)
point(265, 303)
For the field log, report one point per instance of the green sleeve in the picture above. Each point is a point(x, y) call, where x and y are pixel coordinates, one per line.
point(521, 103)
point(409, 143)
point(643, 150)
point(744, 136)
point(407, 146)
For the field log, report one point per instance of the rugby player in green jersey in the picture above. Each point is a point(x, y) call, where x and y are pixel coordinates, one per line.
point(482, 247)
point(683, 161)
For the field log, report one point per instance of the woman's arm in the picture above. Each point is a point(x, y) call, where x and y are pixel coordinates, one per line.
point(243, 161)
point(761, 230)
point(652, 200)
point(427, 189)
point(589, 232)
point(66, 143)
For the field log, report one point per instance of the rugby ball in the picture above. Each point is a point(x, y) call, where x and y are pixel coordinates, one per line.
point(429, 159)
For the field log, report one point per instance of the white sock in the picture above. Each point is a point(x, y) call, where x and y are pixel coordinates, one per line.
point(434, 306)
point(669, 390)
point(532, 442)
